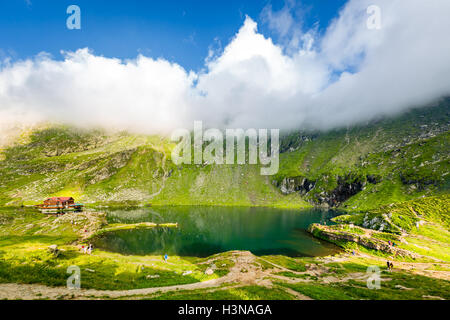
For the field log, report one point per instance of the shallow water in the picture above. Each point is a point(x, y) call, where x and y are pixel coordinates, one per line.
point(204, 231)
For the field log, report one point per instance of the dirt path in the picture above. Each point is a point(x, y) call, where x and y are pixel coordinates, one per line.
point(296, 294)
point(244, 272)
point(420, 268)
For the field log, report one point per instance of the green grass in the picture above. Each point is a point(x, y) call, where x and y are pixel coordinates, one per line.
point(419, 287)
point(346, 267)
point(294, 275)
point(400, 164)
point(403, 216)
point(392, 159)
point(101, 169)
point(25, 236)
point(433, 231)
point(103, 271)
point(353, 229)
point(24, 258)
point(428, 247)
point(240, 293)
point(286, 262)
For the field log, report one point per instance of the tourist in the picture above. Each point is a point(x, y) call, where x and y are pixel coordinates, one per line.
point(166, 257)
point(90, 249)
point(84, 249)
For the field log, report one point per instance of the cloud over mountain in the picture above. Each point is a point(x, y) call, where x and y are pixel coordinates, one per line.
point(347, 75)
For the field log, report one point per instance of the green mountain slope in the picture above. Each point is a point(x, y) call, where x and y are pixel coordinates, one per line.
point(124, 169)
point(367, 166)
point(361, 167)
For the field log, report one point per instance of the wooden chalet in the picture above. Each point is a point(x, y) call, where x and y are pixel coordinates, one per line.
point(60, 204)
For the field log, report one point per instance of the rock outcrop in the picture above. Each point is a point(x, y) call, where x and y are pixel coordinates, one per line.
point(296, 184)
point(334, 235)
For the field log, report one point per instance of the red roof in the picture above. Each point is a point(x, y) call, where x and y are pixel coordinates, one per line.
point(60, 198)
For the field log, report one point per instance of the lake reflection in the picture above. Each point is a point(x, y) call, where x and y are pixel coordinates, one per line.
point(204, 231)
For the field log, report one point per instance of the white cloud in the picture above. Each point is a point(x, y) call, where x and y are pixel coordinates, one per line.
point(280, 21)
point(87, 89)
point(287, 24)
point(253, 82)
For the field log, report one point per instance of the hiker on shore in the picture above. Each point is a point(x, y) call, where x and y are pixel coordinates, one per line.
point(390, 265)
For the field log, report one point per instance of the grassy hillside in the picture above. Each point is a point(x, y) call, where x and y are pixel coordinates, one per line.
point(391, 175)
point(419, 228)
point(124, 169)
point(362, 167)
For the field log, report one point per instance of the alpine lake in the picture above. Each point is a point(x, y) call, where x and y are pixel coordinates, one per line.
point(204, 231)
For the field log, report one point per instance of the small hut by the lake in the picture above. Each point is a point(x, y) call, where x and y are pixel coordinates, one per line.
point(60, 204)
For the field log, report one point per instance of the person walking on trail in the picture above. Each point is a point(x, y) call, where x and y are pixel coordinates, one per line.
point(90, 249)
point(84, 249)
point(166, 257)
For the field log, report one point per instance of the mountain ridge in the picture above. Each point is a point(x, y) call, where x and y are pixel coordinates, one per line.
point(359, 167)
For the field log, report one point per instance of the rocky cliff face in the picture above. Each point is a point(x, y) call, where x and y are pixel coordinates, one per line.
point(296, 184)
point(345, 189)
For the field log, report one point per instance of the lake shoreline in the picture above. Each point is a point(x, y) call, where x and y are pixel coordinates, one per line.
point(25, 238)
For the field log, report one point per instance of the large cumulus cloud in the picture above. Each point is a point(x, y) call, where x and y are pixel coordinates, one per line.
point(347, 75)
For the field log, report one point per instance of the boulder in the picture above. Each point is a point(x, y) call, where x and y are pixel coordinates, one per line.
point(53, 249)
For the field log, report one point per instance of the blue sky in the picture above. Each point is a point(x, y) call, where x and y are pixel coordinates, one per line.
point(314, 75)
point(179, 31)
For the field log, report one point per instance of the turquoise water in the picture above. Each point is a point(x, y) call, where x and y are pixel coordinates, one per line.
point(204, 231)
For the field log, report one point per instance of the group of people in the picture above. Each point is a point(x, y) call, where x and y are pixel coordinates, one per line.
point(87, 249)
point(390, 265)
point(392, 244)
